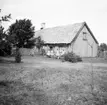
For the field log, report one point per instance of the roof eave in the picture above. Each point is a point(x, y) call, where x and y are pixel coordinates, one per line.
point(84, 24)
point(91, 33)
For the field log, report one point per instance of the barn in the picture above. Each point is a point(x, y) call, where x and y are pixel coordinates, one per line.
point(77, 38)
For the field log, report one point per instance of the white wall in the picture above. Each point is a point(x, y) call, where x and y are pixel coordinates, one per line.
point(83, 48)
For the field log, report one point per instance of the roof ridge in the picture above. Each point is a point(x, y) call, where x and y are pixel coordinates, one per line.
point(60, 34)
point(63, 26)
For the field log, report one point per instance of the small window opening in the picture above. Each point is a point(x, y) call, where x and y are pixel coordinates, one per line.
point(84, 36)
point(51, 47)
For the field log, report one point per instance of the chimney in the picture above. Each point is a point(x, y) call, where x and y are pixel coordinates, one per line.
point(42, 26)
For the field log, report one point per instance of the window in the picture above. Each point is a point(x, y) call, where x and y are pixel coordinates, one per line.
point(51, 47)
point(84, 36)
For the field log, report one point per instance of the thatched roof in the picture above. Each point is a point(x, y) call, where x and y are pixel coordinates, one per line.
point(60, 34)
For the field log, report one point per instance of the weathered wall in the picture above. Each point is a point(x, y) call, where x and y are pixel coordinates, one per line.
point(83, 47)
point(27, 51)
point(55, 51)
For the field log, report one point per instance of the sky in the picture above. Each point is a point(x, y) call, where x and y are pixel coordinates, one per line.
point(60, 12)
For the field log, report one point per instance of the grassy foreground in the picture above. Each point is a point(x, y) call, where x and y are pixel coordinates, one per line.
point(42, 81)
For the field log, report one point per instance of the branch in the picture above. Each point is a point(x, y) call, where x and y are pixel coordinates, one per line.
point(22, 30)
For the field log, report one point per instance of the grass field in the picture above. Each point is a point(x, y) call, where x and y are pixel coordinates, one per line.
point(45, 81)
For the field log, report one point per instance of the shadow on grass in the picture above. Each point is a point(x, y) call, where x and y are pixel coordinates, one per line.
point(4, 83)
point(18, 93)
point(4, 60)
point(11, 84)
point(7, 60)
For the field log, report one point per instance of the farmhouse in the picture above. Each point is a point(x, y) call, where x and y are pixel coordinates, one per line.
point(77, 38)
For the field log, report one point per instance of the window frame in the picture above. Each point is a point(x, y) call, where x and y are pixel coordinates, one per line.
point(84, 36)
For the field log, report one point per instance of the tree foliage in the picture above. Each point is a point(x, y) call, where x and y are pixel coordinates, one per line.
point(1, 33)
point(103, 47)
point(21, 33)
point(5, 47)
point(39, 42)
point(3, 19)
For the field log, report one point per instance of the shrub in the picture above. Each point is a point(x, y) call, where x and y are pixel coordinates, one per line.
point(42, 51)
point(71, 57)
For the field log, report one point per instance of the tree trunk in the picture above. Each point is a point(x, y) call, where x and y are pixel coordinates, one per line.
point(18, 55)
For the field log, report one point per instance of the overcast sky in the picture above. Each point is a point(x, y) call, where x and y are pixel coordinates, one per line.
point(60, 12)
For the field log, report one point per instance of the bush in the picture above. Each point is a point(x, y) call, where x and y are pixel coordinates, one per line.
point(71, 57)
point(42, 51)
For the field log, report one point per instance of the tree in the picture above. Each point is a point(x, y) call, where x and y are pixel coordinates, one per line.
point(21, 34)
point(39, 42)
point(4, 44)
point(103, 47)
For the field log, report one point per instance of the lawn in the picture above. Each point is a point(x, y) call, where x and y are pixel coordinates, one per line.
point(45, 81)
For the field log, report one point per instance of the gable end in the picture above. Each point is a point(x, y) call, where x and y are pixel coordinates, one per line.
point(84, 24)
point(91, 33)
